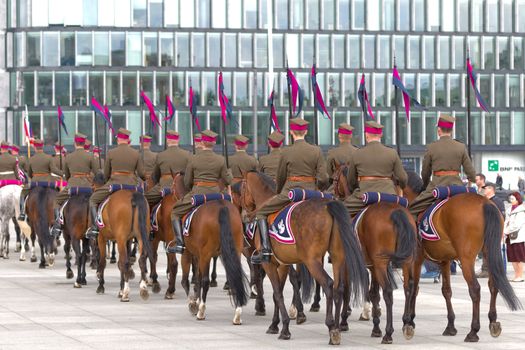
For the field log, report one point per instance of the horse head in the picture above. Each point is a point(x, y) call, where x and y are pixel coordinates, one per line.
point(339, 177)
point(177, 187)
point(414, 186)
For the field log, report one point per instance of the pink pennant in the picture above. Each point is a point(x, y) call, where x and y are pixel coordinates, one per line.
point(151, 108)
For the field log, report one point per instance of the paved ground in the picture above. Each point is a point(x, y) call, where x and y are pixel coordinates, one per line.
point(39, 309)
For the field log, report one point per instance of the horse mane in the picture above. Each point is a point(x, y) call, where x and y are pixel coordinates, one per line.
point(267, 182)
point(414, 182)
point(236, 188)
point(99, 178)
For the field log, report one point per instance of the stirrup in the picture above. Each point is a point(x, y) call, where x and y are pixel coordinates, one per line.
point(22, 217)
point(258, 257)
point(56, 231)
point(176, 249)
point(92, 232)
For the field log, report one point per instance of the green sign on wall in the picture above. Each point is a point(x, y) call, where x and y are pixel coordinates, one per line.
point(493, 165)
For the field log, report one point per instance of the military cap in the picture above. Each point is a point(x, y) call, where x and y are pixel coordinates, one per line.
point(275, 139)
point(58, 145)
point(38, 143)
point(4, 145)
point(96, 149)
point(446, 121)
point(172, 135)
point(197, 137)
point(123, 134)
point(241, 141)
point(80, 138)
point(209, 136)
point(373, 127)
point(298, 124)
point(145, 139)
point(345, 129)
point(15, 148)
point(87, 145)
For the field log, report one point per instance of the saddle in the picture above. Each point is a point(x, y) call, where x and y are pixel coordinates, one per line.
point(197, 201)
point(10, 182)
point(279, 224)
point(370, 198)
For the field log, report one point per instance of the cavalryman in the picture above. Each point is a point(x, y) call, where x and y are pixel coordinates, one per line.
point(300, 166)
point(41, 167)
point(78, 169)
point(443, 161)
point(268, 163)
point(96, 155)
point(171, 161)
point(203, 173)
point(8, 163)
point(22, 160)
point(149, 157)
point(56, 156)
point(342, 153)
point(373, 168)
point(241, 162)
point(197, 140)
point(122, 166)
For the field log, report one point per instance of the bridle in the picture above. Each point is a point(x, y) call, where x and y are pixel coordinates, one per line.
point(250, 212)
point(336, 180)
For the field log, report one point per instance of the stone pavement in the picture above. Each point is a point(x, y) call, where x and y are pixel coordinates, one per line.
point(39, 309)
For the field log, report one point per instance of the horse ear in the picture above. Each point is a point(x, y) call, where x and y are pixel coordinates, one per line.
point(337, 164)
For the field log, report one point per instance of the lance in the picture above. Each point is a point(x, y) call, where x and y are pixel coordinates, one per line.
point(166, 124)
point(469, 129)
point(396, 121)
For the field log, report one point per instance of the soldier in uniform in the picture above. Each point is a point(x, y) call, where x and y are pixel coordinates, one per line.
point(203, 173)
point(87, 146)
point(122, 166)
point(171, 161)
point(300, 166)
point(22, 160)
point(197, 140)
point(98, 161)
point(342, 153)
point(373, 168)
point(241, 161)
point(41, 167)
point(443, 161)
point(268, 163)
point(56, 157)
point(8, 163)
point(149, 158)
point(78, 169)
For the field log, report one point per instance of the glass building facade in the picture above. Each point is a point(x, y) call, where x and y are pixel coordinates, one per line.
point(61, 52)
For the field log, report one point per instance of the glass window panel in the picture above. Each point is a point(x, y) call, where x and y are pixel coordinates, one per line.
point(171, 12)
point(476, 128)
point(166, 50)
point(102, 48)
point(230, 56)
point(323, 42)
point(312, 14)
point(414, 52)
point(79, 88)
point(62, 88)
point(504, 52)
point(297, 8)
point(263, 15)
point(28, 96)
point(209, 88)
point(241, 89)
point(359, 14)
point(292, 50)
point(459, 53)
point(385, 119)
point(139, 13)
point(45, 89)
point(218, 8)
point(281, 14)
point(118, 119)
point(355, 54)
point(519, 128)
point(484, 90)
point(338, 55)
point(278, 52)
point(85, 124)
point(308, 50)
point(151, 54)
point(425, 89)
point(135, 119)
point(146, 84)
point(129, 89)
point(461, 127)
point(22, 16)
point(304, 81)
point(106, 15)
point(429, 52)
point(261, 45)
point(84, 49)
point(430, 127)
point(234, 14)
point(463, 24)
point(490, 129)
point(449, 10)
point(67, 49)
point(118, 49)
point(416, 128)
point(247, 125)
point(155, 13)
point(455, 90)
point(379, 90)
point(33, 49)
point(350, 89)
point(520, 9)
point(514, 91)
point(122, 12)
point(389, 15)
point(419, 14)
point(178, 86)
point(370, 51)
point(134, 49)
point(329, 17)
point(384, 52)
point(404, 15)
point(399, 46)
point(214, 47)
point(250, 14)
point(474, 50)
point(504, 128)
point(403, 127)
point(334, 90)
point(20, 46)
point(489, 51)
point(356, 121)
point(96, 85)
point(444, 52)
point(199, 50)
point(246, 50)
point(492, 15)
point(50, 49)
point(519, 59)
point(506, 8)
point(90, 12)
point(39, 10)
point(343, 13)
point(50, 129)
point(499, 89)
point(477, 15)
point(441, 93)
point(113, 88)
point(183, 50)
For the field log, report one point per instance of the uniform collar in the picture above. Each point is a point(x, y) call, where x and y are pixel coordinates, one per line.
point(374, 142)
point(275, 150)
point(445, 137)
point(299, 141)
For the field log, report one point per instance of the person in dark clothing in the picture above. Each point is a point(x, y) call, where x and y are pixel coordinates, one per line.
point(499, 182)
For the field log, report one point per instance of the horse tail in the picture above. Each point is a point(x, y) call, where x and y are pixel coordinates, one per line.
point(406, 238)
point(42, 223)
point(231, 260)
point(356, 267)
point(138, 201)
point(492, 243)
point(307, 283)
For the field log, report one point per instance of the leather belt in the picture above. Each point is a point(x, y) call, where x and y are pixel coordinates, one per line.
point(373, 178)
point(40, 174)
point(125, 173)
point(80, 175)
point(165, 176)
point(446, 173)
point(301, 179)
point(206, 183)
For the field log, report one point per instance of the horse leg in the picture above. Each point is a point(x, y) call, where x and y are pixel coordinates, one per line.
point(416, 272)
point(316, 306)
point(172, 275)
point(278, 278)
point(42, 264)
point(297, 308)
point(474, 291)
point(18, 237)
point(346, 305)
point(101, 263)
point(389, 301)
point(78, 260)
point(194, 300)
point(186, 265)
point(130, 261)
point(4, 231)
point(81, 278)
point(133, 254)
point(143, 271)
point(204, 285)
point(124, 267)
point(213, 282)
point(260, 309)
point(376, 311)
point(113, 258)
point(494, 325)
point(153, 274)
point(446, 290)
point(408, 288)
point(33, 254)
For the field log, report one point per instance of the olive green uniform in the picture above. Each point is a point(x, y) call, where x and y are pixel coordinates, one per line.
point(446, 154)
point(22, 163)
point(339, 155)
point(298, 160)
point(268, 164)
point(171, 161)
point(78, 169)
point(150, 159)
point(204, 168)
point(373, 160)
point(122, 166)
point(56, 161)
point(40, 168)
point(8, 167)
point(241, 162)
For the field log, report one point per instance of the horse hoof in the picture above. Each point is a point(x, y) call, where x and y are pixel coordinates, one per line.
point(363, 318)
point(495, 329)
point(376, 334)
point(41, 266)
point(237, 317)
point(124, 299)
point(272, 330)
point(408, 332)
point(315, 308)
point(201, 314)
point(450, 331)
point(253, 295)
point(213, 284)
point(285, 335)
point(292, 312)
point(33, 259)
point(169, 296)
point(120, 294)
point(100, 290)
point(226, 286)
point(112, 261)
point(386, 340)
point(22, 258)
point(69, 274)
point(335, 337)
point(260, 313)
point(131, 274)
point(77, 285)
point(193, 307)
point(301, 318)
point(18, 247)
point(344, 327)
point(149, 282)
point(156, 287)
point(144, 294)
point(471, 338)
point(83, 282)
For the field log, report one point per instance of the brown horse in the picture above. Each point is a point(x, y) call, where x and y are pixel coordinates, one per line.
point(320, 226)
point(467, 224)
point(385, 242)
point(125, 217)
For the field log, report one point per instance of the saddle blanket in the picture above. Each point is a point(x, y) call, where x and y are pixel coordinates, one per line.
point(61, 213)
point(154, 216)
point(280, 227)
point(357, 220)
point(186, 221)
point(10, 182)
point(100, 221)
point(442, 192)
point(370, 198)
point(427, 230)
point(250, 228)
point(298, 195)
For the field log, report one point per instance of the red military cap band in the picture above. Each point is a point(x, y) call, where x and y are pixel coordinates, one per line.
point(172, 137)
point(145, 140)
point(15, 148)
point(344, 131)
point(275, 144)
point(444, 124)
point(38, 143)
point(80, 139)
point(297, 127)
point(375, 131)
point(87, 147)
point(208, 138)
point(122, 136)
point(96, 150)
point(197, 139)
point(5, 146)
point(240, 143)
point(59, 147)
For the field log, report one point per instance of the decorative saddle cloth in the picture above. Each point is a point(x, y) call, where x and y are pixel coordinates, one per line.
point(48, 184)
point(442, 192)
point(154, 216)
point(197, 201)
point(357, 220)
point(249, 229)
point(75, 191)
point(427, 230)
point(11, 182)
point(298, 195)
point(370, 198)
point(279, 224)
point(100, 221)
point(118, 187)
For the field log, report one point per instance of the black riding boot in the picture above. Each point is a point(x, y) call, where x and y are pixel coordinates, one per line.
point(22, 216)
point(265, 254)
point(179, 242)
point(57, 227)
point(92, 232)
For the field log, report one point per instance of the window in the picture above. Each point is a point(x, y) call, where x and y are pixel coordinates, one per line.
point(430, 127)
point(166, 50)
point(241, 89)
point(278, 52)
point(45, 89)
point(455, 90)
point(499, 89)
point(489, 53)
point(129, 88)
point(416, 127)
point(504, 128)
point(520, 9)
point(518, 53)
point(461, 127)
point(475, 118)
point(19, 47)
point(39, 13)
point(334, 89)
point(354, 57)
point(323, 43)
point(171, 12)
point(90, 12)
point(50, 128)
point(379, 90)
point(135, 120)
point(178, 87)
point(246, 50)
point(459, 53)
point(261, 44)
point(359, 14)
point(250, 14)
point(343, 13)
point(234, 14)
point(62, 88)
point(33, 49)
point(389, 15)
point(218, 8)
point(506, 8)
point(28, 96)
point(474, 50)
point(425, 90)
point(477, 15)
point(370, 51)
point(329, 16)
point(106, 14)
point(312, 14)
point(492, 16)
point(338, 51)
point(404, 15)
point(292, 49)
point(399, 45)
point(440, 90)
point(444, 52)
point(414, 52)
point(429, 52)
point(139, 13)
point(155, 13)
point(463, 15)
point(490, 129)
point(308, 50)
point(84, 49)
point(281, 14)
point(146, 84)
point(230, 55)
point(504, 52)
point(384, 52)
point(514, 91)
point(209, 88)
point(183, 50)
point(96, 85)
point(448, 10)
point(67, 49)
point(113, 88)
point(123, 13)
point(297, 13)
point(79, 88)
point(199, 50)
point(118, 49)
point(214, 47)
point(151, 54)
point(484, 90)
point(101, 48)
point(519, 128)
point(134, 49)
point(50, 49)
point(419, 14)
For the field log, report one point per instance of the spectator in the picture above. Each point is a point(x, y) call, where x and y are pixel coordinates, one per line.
point(499, 182)
point(514, 231)
point(521, 186)
point(480, 182)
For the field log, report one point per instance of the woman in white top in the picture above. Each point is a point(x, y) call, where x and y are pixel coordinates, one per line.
point(514, 231)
